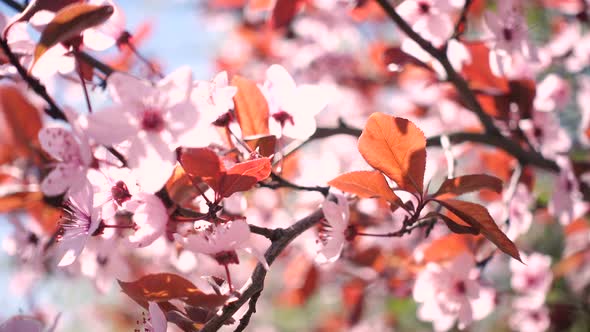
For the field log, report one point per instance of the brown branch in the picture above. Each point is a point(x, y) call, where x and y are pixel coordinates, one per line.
point(462, 21)
point(457, 80)
point(259, 274)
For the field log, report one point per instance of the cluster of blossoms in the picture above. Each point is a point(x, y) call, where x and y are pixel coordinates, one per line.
point(187, 191)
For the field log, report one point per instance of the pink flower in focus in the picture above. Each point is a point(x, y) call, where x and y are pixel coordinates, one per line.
point(510, 36)
point(157, 319)
point(430, 18)
point(79, 222)
point(292, 108)
point(113, 188)
point(334, 230)
point(452, 292)
point(533, 278)
point(153, 118)
point(553, 94)
point(73, 156)
point(149, 218)
point(214, 98)
point(221, 241)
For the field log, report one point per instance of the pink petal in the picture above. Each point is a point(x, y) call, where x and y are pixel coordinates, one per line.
point(59, 143)
point(59, 179)
point(112, 125)
point(151, 218)
point(157, 318)
point(126, 89)
point(152, 161)
point(21, 324)
point(177, 86)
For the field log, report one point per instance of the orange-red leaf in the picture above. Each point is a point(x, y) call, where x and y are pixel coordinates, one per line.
point(22, 122)
point(456, 226)
point(68, 23)
point(266, 144)
point(478, 217)
point(469, 183)
point(365, 184)
point(283, 13)
point(163, 287)
point(396, 147)
point(244, 176)
point(251, 107)
point(447, 247)
point(18, 200)
point(203, 163)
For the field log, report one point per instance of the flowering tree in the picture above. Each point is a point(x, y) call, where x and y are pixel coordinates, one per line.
point(391, 165)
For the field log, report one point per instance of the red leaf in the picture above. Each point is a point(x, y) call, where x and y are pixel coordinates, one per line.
point(266, 144)
point(478, 217)
point(365, 184)
point(68, 23)
point(203, 163)
point(163, 287)
point(283, 13)
point(251, 107)
point(244, 176)
point(22, 123)
point(456, 226)
point(34, 7)
point(396, 147)
point(469, 183)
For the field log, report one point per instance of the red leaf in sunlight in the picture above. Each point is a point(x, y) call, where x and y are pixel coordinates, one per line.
point(447, 247)
point(164, 287)
point(468, 183)
point(204, 164)
point(478, 217)
point(251, 107)
point(244, 176)
point(396, 147)
point(365, 184)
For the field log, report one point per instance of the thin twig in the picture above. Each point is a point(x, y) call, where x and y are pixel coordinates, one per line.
point(280, 182)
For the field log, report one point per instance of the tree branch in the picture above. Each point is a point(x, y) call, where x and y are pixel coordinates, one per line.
point(440, 55)
point(259, 274)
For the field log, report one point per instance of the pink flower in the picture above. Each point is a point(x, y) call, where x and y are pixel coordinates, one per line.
point(154, 120)
point(510, 36)
point(113, 188)
point(533, 278)
point(149, 217)
point(21, 324)
point(214, 98)
point(103, 260)
point(452, 292)
point(221, 241)
point(334, 230)
point(79, 222)
point(292, 108)
point(73, 157)
point(529, 319)
point(553, 93)
point(546, 134)
point(566, 202)
point(430, 18)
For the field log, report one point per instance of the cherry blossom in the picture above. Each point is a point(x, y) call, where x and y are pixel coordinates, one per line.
point(553, 94)
point(157, 319)
point(566, 202)
point(153, 118)
point(149, 219)
point(510, 36)
point(113, 188)
point(527, 318)
point(214, 98)
point(81, 220)
point(292, 108)
point(334, 230)
point(452, 292)
point(221, 241)
point(430, 18)
point(533, 278)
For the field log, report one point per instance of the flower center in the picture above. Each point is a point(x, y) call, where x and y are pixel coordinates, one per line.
point(282, 117)
point(424, 7)
point(120, 192)
point(152, 120)
point(508, 34)
point(460, 287)
point(226, 257)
